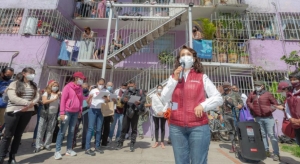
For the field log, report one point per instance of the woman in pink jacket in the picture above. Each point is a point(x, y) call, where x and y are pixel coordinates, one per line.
point(70, 110)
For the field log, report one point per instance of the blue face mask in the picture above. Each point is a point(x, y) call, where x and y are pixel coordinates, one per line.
point(109, 88)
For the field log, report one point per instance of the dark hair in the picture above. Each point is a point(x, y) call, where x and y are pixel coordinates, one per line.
point(197, 64)
point(197, 28)
point(131, 82)
point(19, 76)
point(159, 85)
point(124, 84)
point(234, 85)
point(102, 79)
point(5, 69)
point(87, 28)
point(295, 74)
point(20, 86)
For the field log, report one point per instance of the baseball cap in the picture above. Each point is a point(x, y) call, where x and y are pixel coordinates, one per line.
point(282, 85)
point(258, 83)
point(79, 74)
point(51, 81)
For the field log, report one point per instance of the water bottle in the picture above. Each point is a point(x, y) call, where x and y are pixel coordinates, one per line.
point(223, 125)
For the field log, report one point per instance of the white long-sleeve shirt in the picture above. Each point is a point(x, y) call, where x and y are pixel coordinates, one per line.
point(211, 103)
point(287, 109)
point(158, 105)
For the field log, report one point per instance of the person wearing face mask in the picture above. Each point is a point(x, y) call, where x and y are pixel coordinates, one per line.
point(292, 106)
point(5, 80)
point(196, 33)
point(144, 115)
point(159, 108)
point(118, 116)
point(189, 121)
point(230, 116)
point(131, 114)
point(23, 95)
point(262, 104)
point(107, 120)
point(70, 110)
point(95, 117)
point(85, 118)
point(48, 116)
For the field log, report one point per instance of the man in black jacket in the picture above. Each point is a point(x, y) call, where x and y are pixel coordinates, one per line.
point(131, 116)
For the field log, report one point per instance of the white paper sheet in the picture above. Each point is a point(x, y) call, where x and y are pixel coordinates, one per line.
point(133, 99)
point(113, 96)
point(16, 111)
point(174, 106)
point(102, 94)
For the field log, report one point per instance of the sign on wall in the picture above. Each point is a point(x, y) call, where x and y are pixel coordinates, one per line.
point(203, 48)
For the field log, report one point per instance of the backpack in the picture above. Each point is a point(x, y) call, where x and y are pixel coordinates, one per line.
point(3, 99)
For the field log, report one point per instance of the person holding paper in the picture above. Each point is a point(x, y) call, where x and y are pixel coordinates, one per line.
point(189, 130)
point(70, 110)
point(85, 117)
point(118, 116)
point(131, 116)
point(48, 115)
point(23, 95)
point(159, 108)
point(97, 96)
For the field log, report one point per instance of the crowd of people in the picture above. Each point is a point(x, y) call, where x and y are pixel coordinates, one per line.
point(185, 102)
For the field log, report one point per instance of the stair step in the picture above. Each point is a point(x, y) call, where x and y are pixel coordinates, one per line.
point(126, 52)
point(144, 41)
point(177, 21)
point(184, 17)
point(155, 34)
point(161, 31)
point(138, 45)
point(132, 49)
point(149, 38)
point(114, 60)
point(172, 23)
point(120, 56)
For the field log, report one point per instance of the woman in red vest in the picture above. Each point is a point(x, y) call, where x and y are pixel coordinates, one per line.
point(189, 130)
point(292, 107)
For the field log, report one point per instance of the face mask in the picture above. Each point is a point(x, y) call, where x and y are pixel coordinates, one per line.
point(188, 61)
point(100, 86)
point(109, 88)
point(79, 81)
point(123, 90)
point(283, 94)
point(131, 88)
point(194, 30)
point(30, 77)
point(54, 89)
point(257, 89)
point(159, 90)
point(85, 90)
point(295, 84)
point(226, 89)
point(6, 78)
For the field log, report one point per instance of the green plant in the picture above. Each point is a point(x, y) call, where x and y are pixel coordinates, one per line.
point(165, 57)
point(293, 59)
point(273, 89)
point(244, 54)
point(207, 27)
point(294, 149)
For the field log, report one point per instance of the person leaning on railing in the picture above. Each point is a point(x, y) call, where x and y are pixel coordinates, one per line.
point(196, 33)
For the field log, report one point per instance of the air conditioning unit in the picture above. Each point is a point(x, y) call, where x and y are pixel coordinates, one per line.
point(30, 26)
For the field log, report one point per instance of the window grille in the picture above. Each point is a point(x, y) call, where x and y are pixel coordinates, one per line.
point(263, 26)
point(48, 22)
point(230, 26)
point(290, 25)
point(10, 20)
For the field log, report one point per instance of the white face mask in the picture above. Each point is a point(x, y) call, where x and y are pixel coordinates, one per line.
point(79, 81)
point(123, 90)
point(100, 86)
point(54, 89)
point(283, 94)
point(188, 61)
point(30, 77)
point(257, 89)
point(159, 90)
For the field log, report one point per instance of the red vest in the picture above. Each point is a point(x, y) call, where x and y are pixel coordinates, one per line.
point(188, 95)
point(293, 102)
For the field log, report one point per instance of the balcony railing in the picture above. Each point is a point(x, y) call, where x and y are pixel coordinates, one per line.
point(10, 20)
point(290, 25)
point(228, 2)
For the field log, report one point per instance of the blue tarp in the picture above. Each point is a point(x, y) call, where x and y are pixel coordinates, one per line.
point(203, 48)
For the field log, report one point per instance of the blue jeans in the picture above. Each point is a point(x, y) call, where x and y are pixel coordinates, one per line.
point(95, 116)
point(117, 118)
point(70, 122)
point(190, 145)
point(267, 126)
point(37, 122)
point(107, 12)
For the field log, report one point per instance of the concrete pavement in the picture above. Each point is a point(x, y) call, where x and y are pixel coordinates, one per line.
point(144, 154)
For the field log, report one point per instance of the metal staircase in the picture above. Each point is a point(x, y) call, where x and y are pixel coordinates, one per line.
point(143, 31)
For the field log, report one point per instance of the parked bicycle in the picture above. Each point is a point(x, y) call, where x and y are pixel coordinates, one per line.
point(220, 129)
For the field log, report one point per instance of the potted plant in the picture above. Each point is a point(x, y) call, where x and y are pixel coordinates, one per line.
point(207, 27)
point(293, 59)
point(222, 57)
point(244, 58)
point(273, 89)
point(165, 57)
point(232, 56)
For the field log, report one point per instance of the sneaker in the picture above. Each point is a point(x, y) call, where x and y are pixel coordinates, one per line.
point(90, 152)
point(127, 136)
point(36, 150)
point(33, 145)
point(106, 146)
point(109, 140)
point(132, 147)
point(119, 146)
point(141, 137)
point(71, 152)
point(276, 157)
point(268, 154)
point(99, 150)
point(48, 148)
point(57, 155)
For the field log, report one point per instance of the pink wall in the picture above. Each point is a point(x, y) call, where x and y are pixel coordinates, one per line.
point(66, 7)
point(267, 53)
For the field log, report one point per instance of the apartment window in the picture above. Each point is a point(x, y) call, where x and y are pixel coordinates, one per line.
point(290, 25)
point(263, 26)
point(48, 22)
point(10, 20)
point(165, 42)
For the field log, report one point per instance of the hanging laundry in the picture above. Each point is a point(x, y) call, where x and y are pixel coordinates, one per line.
point(77, 46)
point(70, 45)
point(86, 49)
point(64, 54)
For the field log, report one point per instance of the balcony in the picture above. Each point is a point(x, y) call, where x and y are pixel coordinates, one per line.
point(10, 20)
point(230, 5)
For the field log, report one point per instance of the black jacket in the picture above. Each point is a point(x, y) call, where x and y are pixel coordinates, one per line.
point(136, 92)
